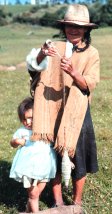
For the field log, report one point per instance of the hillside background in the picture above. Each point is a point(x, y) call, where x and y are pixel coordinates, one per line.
point(46, 15)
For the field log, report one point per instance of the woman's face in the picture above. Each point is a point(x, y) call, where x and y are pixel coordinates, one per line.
point(75, 34)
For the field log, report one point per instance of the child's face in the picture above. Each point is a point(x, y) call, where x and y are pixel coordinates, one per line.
point(27, 122)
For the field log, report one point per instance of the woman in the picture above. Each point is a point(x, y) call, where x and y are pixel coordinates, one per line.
point(62, 97)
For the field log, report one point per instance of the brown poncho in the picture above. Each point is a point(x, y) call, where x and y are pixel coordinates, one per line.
point(59, 105)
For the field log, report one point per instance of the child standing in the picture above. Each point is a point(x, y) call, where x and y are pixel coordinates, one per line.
point(35, 162)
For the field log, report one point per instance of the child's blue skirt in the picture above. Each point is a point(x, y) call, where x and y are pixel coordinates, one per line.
point(35, 160)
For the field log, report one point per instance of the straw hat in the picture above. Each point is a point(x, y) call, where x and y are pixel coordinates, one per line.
point(78, 15)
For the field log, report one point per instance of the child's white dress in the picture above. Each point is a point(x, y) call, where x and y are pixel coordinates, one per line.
point(34, 162)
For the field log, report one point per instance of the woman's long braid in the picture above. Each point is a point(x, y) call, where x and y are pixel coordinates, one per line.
point(87, 40)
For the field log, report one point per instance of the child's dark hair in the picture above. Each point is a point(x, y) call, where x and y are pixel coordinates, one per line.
point(25, 105)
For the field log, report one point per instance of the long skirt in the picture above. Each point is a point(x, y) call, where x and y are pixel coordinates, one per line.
point(85, 158)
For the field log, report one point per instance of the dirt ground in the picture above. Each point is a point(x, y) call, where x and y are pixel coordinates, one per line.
point(13, 67)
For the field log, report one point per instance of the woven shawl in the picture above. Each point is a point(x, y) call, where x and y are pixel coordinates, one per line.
point(59, 105)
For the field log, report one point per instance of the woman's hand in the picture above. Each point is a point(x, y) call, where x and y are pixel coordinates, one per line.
point(46, 50)
point(66, 65)
point(51, 51)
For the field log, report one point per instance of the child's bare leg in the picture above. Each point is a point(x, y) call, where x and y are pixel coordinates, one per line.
point(33, 198)
point(41, 187)
point(34, 193)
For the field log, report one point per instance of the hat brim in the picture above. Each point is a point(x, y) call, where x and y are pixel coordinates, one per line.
point(78, 23)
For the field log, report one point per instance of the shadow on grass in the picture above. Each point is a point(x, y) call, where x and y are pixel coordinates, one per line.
point(12, 193)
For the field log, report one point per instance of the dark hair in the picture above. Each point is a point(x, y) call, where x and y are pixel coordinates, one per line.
point(24, 106)
point(86, 39)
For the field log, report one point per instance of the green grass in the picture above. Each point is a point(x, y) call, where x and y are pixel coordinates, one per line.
point(17, 40)
point(15, 43)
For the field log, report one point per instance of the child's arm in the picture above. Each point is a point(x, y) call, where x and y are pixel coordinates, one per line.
point(17, 142)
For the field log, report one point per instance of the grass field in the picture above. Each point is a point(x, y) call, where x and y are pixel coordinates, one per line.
point(15, 43)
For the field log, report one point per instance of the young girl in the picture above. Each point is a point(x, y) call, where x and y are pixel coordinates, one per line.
point(35, 162)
